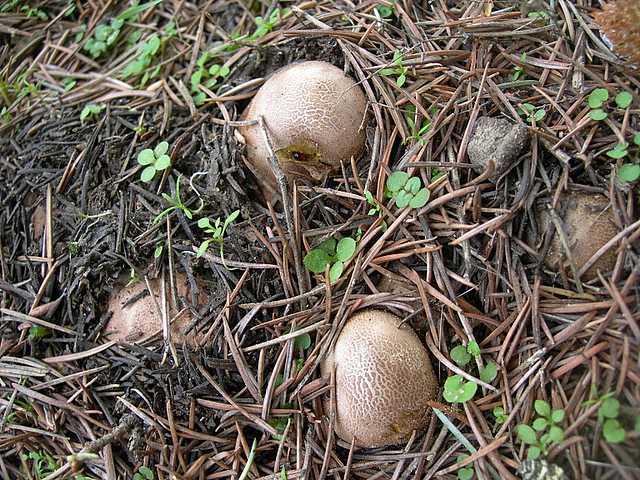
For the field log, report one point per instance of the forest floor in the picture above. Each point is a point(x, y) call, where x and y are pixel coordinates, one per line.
point(86, 86)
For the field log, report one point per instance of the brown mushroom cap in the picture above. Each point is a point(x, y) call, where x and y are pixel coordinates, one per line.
point(134, 314)
point(313, 112)
point(588, 224)
point(384, 380)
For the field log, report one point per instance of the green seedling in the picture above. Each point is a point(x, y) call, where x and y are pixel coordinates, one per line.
point(106, 34)
point(68, 84)
point(596, 99)
point(398, 70)
point(462, 355)
point(144, 473)
point(43, 464)
point(38, 332)
point(376, 208)
point(158, 250)
point(547, 424)
point(619, 151)
point(500, 415)
point(302, 341)
point(518, 71)
point(419, 130)
point(266, 25)
point(629, 172)
point(176, 203)
point(146, 53)
point(330, 252)
point(154, 161)
point(531, 112)
point(90, 112)
point(384, 11)
point(207, 76)
point(465, 473)
point(457, 390)
point(406, 190)
point(216, 232)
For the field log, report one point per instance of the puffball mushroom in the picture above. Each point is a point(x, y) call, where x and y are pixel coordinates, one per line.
point(588, 224)
point(383, 380)
point(134, 314)
point(314, 114)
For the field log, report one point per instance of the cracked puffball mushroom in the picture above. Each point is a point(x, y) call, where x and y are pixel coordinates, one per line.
point(383, 380)
point(135, 314)
point(587, 222)
point(314, 115)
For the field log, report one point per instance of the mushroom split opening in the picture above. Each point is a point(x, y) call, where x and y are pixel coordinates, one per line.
point(315, 116)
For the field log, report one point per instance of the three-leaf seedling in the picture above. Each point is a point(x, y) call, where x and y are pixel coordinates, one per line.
point(547, 425)
point(90, 111)
point(146, 52)
point(216, 232)
point(206, 76)
point(154, 161)
point(456, 388)
point(531, 112)
point(330, 252)
point(407, 190)
point(398, 70)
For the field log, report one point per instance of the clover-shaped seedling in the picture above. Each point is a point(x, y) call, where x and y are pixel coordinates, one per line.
point(330, 252)
point(457, 390)
point(547, 424)
point(154, 161)
point(407, 190)
point(462, 356)
point(531, 112)
point(596, 100)
point(500, 414)
point(465, 473)
point(612, 429)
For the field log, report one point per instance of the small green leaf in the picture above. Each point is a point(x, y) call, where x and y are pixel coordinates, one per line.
point(204, 223)
point(465, 473)
point(456, 390)
point(146, 472)
point(420, 199)
point(619, 151)
point(489, 372)
point(397, 180)
point(148, 173)
point(214, 70)
point(597, 97)
point(345, 249)
point(413, 185)
point(316, 260)
point(302, 341)
point(526, 434)
point(401, 80)
point(542, 408)
point(613, 432)
point(527, 108)
point(539, 115)
point(202, 248)
point(384, 11)
point(636, 139)
point(403, 198)
point(157, 252)
point(329, 246)
point(473, 348)
point(224, 71)
point(161, 149)
point(624, 99)
point(335, 272)
point(231, 218)
point(146, 157)
point(598, 114)
point(533, 452)
point(540, 424)
point(196, 78)
point(610, 408)
point(460, 355)
point(629, 172)
point(556, 434)
point(163, 162)
point(557, 415)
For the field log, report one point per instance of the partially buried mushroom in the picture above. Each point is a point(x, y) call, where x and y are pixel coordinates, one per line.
point(135, 313)
point(314, 114)
point(588, 224)
point(383, 380)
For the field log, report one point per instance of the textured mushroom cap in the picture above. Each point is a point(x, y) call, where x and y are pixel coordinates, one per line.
point(313, 112)
point(135, 316)
point(588, 224)
point(384, 380)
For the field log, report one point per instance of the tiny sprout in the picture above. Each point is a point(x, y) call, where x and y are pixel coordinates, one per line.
point(531, 112)
point(144, 473)
point(216, 232)
point(154, 160)
point(629, 172)
point(176, 203)
point(547, 424)
point(619, 151)
point(597, 97)
point(598, 115)
point(90, 111)
point(465, 473)
point(500, 415)
point(398, 69)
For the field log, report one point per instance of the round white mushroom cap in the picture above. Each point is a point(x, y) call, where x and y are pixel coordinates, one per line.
point(314, 114)
point(384, 380)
